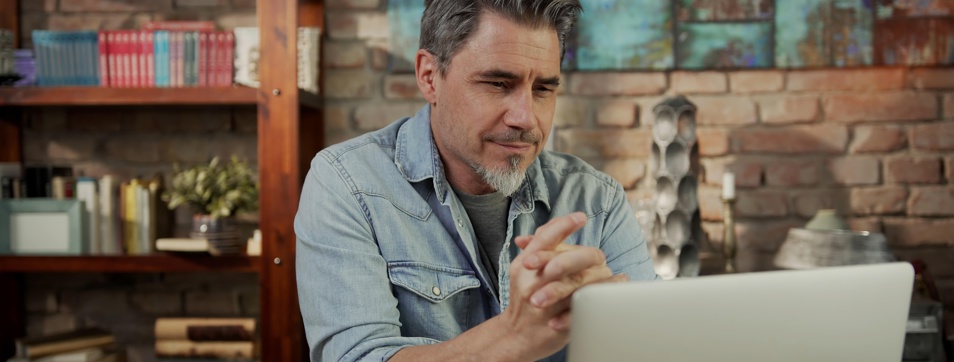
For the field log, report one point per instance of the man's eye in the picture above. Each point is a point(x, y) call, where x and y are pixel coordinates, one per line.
point(498, 85)
point(544, 90)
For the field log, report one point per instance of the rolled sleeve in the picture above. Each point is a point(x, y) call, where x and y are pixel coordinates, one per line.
point(623, 243)
point(347, 305)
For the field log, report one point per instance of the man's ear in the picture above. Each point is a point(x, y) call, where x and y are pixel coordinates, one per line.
point(426, 71)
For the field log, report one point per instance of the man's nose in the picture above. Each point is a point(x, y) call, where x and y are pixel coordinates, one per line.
point(520, 111)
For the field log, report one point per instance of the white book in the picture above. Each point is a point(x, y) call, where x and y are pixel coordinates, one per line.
point(86, 192)
point(143, 219)
point(83, 355)
point(182, 244)
point(108, 217)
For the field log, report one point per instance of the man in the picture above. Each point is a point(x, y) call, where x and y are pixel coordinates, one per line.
point(451, 235)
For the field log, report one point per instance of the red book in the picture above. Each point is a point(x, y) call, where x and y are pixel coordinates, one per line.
point(148, 59)
point(213, 62)
point(203, 59)
point(103, 59)
point(135, 53)
point(124, 57)
point(229, 59)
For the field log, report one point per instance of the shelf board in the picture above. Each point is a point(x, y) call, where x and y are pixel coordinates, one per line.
point(105, 96)
point(157, 263)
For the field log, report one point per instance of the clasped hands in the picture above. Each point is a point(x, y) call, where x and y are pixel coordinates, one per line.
point(542, 280)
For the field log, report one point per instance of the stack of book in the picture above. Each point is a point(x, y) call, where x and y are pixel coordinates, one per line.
point(66, 57)
point(246, 57)
point(225, 339)
point(85, 345)
point(24, 65)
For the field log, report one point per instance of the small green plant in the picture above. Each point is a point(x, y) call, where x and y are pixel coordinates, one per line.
point(218, 189)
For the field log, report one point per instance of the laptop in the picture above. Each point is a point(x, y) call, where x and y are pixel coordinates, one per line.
point(855, 313)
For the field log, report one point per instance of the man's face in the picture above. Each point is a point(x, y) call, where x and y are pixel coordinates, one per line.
point(492, 110)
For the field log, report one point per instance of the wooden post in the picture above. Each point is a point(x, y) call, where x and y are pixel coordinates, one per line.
point(10, 19)
point(11, 313)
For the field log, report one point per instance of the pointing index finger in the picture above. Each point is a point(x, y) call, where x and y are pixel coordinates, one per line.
point(555, 231)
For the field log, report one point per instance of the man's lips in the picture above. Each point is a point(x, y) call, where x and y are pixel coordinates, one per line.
point(517, 147)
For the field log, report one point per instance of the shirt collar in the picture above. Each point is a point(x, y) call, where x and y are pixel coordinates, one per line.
point(417, 158)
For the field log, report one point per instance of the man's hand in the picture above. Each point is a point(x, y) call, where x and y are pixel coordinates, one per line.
point(565, 268)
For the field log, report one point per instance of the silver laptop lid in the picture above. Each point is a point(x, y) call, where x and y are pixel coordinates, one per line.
point(855, 313)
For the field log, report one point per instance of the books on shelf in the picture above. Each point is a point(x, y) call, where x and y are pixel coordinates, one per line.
point(247, 57)
point(82, 343)
point(66, 57)
point(221, 338)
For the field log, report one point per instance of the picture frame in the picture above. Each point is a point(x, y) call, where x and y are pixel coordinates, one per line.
point(42, 227)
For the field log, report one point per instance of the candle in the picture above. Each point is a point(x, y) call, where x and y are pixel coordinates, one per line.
point(728, 185)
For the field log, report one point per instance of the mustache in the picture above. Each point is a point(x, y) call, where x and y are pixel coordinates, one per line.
point(515, 136)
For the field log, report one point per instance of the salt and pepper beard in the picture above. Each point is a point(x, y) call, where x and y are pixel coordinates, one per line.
point(506, 181)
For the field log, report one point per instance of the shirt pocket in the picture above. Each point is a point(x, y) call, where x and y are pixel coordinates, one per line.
point(433, 283)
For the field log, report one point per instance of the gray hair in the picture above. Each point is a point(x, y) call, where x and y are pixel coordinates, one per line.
point(448, 24)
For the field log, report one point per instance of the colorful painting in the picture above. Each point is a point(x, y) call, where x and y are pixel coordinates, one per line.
point(818, 33)
point(624, 35)
point(914, 8)
point(404, 20)
point(722, 10)
point(916, 41)
point(725, 45)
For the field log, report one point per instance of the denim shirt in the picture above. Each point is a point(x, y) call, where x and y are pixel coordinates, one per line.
point(386, 255)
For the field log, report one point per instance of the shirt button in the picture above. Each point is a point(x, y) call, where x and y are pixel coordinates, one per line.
point(436, 290)
point(460, 223)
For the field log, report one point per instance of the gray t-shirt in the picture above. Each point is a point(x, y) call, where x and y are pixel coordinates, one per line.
point(488, 215)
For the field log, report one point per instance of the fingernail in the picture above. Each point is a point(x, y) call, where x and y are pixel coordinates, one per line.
point(578, 217)
point(538, 300)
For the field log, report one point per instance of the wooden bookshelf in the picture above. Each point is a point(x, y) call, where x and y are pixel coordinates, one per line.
point(105, 96)
point(129, 264)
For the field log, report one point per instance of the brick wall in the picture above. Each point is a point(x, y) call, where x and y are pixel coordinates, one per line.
point(877, 144)
point(874, 143)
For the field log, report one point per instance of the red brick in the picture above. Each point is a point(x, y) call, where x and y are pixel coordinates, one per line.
point(198, 119)
point(47, 119)
point(402, 87)
point(243, 4)
point(357, 25)
point(791, 173)
point(337, 118)
point(822, 138)
point(869, 224)
point(808, 202)
point(876, 139)
point(114, 6)
point(42, 325)
point(698, 82)
point(608, 143)
point(712, 141)
point(934, 137)
point(617, 84)
point(725, 110)
point(376, 115)
point(200, 3)
point(212, 303)
point(748, 173)
point(84, 21)
point(933, 79)
point(878, 200)
point(932, 201)
point(628, 172)
point(854, 170)
point(617, 113)
point(348, 84)
point(851, 80)
point(763, 236)
point(48, 6)
point(789, 109)
point(912, 170)
point(761, 204)
point(756, 81)
point(710, 203)
point(949, 169)
point(345, 54)
point(858, 107)
point(40, 301)
point(236, 19)
point(157, 302)
point(570, 112)
point(353, 4)
point(919, 232)
point(379, 58)
point(72, 148)
point(949, 106)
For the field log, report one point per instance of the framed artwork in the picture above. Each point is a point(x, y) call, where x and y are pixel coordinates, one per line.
point(42, 227)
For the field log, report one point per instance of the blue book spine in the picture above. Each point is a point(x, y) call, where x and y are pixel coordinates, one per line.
point(40, 48)
point(162, 58)
point(91, 43)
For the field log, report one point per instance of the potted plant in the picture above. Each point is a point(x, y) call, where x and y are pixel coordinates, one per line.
point(217, 192)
